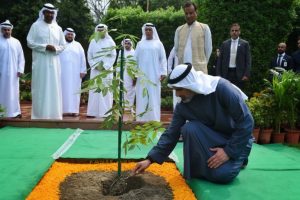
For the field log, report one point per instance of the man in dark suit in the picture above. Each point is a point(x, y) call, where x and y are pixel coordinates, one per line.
point(234, 62)
point(296, 58)
point(282, 59)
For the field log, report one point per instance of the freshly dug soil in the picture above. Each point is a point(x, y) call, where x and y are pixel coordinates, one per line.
point(90, 185)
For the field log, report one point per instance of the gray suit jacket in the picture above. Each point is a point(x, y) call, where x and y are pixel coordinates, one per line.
point(243, 59)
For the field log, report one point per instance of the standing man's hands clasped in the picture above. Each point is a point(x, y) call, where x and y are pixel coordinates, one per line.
point(140, 167)
point(245, 78)
point(218, 158)
point(50, 48)
point(162, 77)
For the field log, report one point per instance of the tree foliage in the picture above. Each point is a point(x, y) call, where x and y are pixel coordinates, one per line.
point(130, 20)
point(150, 4)
point(23, 13)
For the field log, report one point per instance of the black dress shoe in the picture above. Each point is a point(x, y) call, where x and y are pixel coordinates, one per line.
point(245, 163)
point(18, 116)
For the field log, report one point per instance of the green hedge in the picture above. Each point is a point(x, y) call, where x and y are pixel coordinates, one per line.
point(130, 21)
point(263, 23)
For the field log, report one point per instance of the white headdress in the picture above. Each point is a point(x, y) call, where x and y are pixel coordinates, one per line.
point(127, 40)
point(104, 28)
point(155, 34)
point(185, 76)
point(49, 7)
point(69, 30)
point(6, 24)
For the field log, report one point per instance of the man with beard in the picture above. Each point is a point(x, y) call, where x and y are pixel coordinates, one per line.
point(101, 57)
point(234, 61)
point(215, 123)
point(282, 59)
point(47, 41)
point(73, 69)
point(129, 83)
point(151, 60)
point(11, 68)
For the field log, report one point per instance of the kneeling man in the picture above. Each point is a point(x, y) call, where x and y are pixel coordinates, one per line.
point(215, 123)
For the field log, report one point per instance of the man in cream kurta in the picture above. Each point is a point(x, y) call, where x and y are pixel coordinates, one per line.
point(193, 40)
point(46, 40)
point(151, 60)
point(73, 69)
point(11, 67)
point(98, 105)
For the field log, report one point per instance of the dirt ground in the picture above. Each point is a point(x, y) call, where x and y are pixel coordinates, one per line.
point(92, 185)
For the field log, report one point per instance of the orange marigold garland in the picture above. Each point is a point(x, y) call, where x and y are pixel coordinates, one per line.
point(48, 187)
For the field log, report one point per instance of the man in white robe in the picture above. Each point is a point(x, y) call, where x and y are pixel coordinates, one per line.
point(11, 68)
point(73, 69)
point(47, 41)
point(129, 83)
point(151, 60)
point(172, 62)
point(101, 59)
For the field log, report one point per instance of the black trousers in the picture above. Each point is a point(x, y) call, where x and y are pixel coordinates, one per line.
point(232, 77)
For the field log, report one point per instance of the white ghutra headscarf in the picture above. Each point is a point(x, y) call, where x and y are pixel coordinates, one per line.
point(103, 27)
point(155, 34)
point(185, 76)
point(6, 24)
point(49, 7)
point(69, 30)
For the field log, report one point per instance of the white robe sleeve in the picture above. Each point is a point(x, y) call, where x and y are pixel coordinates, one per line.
point(21, 60)
point(82, 59)
point(171, 60)
point(90, 58)
point(31, 42)
point(163, 60)
point(207, 42)
point(62, 43)
point(108, 61)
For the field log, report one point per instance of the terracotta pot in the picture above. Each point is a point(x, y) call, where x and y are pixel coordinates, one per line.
point(255, 134)
point(292, 136)
point(265, 136)
point(277, 137)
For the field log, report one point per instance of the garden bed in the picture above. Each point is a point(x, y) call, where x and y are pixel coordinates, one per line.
point(85, 181)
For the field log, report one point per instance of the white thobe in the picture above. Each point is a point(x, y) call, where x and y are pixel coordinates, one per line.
point(172, 63)
point(98, 104)
point(151, 60)
point(128, 81)
point(11, 62)
point(73, 63)
point(46, 70)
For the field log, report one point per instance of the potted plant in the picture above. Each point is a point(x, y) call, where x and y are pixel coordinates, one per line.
point(260, 107)
point(2, 111)
point(277, 90)
point(254, 106)
point(291, 82)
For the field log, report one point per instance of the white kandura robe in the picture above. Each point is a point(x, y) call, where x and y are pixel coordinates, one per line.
point(172, 63)
point(46, 70)
point(98, 104)
point(151, 59)
point(11, 62)
point(128, 81)
point(73, 63)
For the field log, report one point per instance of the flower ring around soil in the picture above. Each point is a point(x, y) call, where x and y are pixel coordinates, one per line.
point(94, 181)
